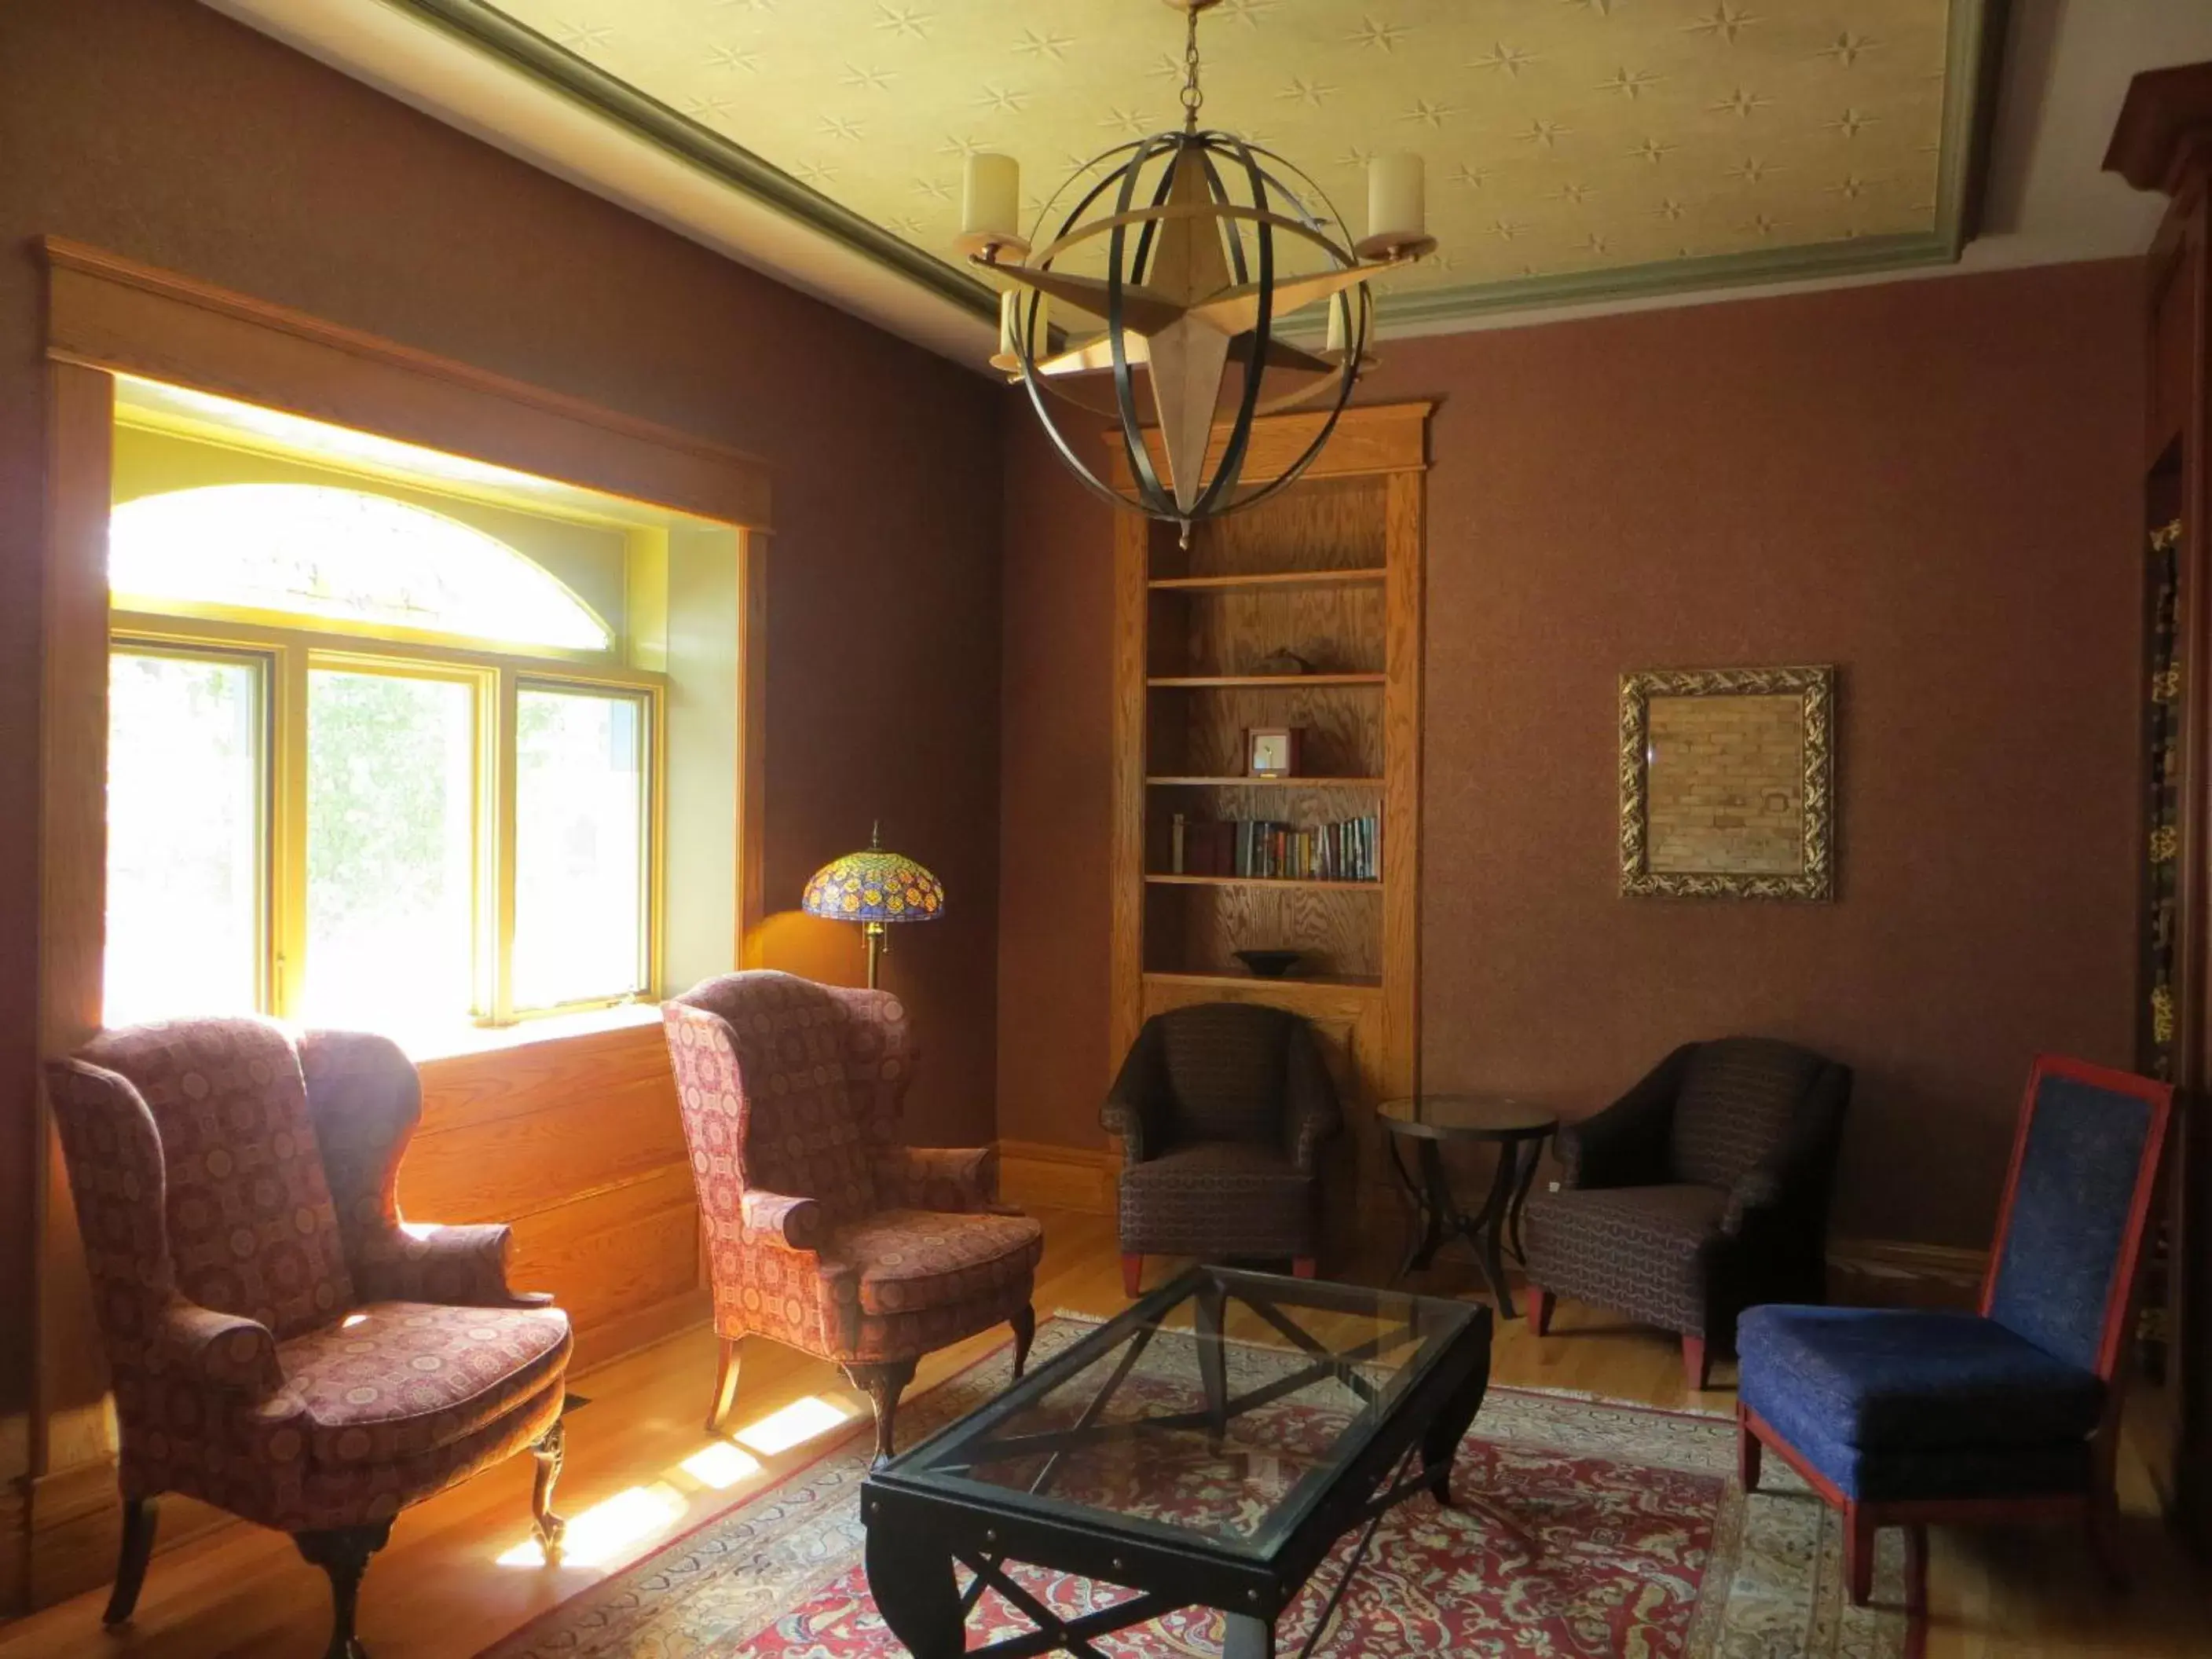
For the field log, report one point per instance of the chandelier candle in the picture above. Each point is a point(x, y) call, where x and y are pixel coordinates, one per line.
point(1189, 249)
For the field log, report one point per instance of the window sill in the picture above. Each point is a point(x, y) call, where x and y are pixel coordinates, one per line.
point(459, 1041)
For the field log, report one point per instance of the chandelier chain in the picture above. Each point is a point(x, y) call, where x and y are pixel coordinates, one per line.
point(1191, 97)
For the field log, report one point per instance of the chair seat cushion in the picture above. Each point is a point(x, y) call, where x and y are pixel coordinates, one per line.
point(1895, 1379)
point(1219, 1198)
point(396, 1380)
point(908, 1260)
point(1634, 1248)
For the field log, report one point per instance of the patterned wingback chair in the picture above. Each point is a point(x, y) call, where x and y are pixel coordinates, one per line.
point(1900, 1417)
point(1222, 1109)
point(822, 1230)
point(281, 1347)
point(1701, 1192)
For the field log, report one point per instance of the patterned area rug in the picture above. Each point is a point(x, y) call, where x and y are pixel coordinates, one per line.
point(1645, 1549)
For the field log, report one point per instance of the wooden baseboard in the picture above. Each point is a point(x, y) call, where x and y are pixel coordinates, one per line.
point(1037, 1175)
point(625, 1334)
point(1887, 1272)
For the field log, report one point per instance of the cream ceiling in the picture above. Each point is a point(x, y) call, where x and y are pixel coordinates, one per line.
point(1573, 146)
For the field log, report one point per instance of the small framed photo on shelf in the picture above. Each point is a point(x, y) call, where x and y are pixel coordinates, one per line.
point(1271, 751)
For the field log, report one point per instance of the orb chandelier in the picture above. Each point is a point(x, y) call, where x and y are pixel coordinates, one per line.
point(1190, 248)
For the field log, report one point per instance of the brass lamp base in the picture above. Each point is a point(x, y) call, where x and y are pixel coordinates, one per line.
point(878, 937)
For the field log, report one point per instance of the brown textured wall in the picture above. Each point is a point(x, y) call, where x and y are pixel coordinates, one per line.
point(1929, 483)
point(162, 132)
point(1055, 754)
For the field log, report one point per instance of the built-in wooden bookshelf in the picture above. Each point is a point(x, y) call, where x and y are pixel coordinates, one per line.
point(1329, 569)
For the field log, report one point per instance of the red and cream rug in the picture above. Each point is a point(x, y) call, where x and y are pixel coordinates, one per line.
point(1645, 1547)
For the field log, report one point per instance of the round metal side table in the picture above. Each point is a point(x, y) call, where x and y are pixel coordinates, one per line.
point(1518, 1131)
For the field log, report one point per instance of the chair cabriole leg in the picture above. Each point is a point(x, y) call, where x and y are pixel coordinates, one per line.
point(343, 1554)
point(139, 1515)
point(726, 1385)
point(1133, 1274)
point(1025, 1326)
point(882, 1384)
point(550, 1451)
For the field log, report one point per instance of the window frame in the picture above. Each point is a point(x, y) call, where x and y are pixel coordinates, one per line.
point(497, 674)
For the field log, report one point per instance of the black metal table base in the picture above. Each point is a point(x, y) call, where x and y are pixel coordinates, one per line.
point(1439, 1220)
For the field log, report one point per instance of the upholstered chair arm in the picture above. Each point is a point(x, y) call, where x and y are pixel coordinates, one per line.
point(457, 1266)
point(1625, 1143)
point(781, 1221)
point(1136, 1105)
point(220, 1350)
point(1787, 1190)
point(956, 1179)
point(1311, 1113)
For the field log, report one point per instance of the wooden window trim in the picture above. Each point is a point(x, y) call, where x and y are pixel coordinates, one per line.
point(107, 316)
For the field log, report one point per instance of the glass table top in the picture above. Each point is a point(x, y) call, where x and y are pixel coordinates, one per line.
point(1121, 1425)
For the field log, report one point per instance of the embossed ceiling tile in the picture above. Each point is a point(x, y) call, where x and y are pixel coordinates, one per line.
point(1562, 136)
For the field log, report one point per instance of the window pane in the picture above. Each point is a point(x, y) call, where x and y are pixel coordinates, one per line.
point(390, 815)
point(184, 837)
point(342, 555)
point(579, 846)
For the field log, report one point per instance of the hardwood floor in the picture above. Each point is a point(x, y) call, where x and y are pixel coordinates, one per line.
point(438, 1592)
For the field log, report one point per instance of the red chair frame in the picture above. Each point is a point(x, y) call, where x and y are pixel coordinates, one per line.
point(2096, 1509)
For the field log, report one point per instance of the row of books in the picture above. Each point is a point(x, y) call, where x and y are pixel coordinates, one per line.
point(1351, 850)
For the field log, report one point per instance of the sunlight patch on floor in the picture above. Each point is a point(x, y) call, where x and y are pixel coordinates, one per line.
point(720, 1466)
point(609, 1530)
point(801, 1420)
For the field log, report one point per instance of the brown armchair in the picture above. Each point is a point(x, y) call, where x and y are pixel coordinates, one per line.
point(824, 1232)
point(1222, 1109)
point(1701, 1192)
point(281, 1347)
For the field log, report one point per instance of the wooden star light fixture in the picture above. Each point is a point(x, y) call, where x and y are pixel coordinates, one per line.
point(1192, 248)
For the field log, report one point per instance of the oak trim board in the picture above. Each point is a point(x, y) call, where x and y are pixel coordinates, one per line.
point(107, 312)
point(1043, 1175)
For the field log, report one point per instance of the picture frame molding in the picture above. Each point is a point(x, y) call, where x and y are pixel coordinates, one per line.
point(1815, 688)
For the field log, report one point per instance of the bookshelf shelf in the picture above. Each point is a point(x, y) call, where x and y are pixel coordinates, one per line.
point(1327, 571)
point(1289, 982)
point(1263, 783)
point(1267, 579)
point(1258, 682)
point(1161, 880)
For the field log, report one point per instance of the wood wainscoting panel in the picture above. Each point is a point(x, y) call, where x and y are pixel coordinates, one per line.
point(575, 1143)
point(1040, 1175)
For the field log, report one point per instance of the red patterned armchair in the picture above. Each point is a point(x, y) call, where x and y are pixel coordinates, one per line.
point(282, 1347)
point(822, 1231)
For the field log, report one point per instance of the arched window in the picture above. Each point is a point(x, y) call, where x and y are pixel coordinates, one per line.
point(342, 555)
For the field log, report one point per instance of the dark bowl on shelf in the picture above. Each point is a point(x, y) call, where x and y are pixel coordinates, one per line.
point(1269, 964)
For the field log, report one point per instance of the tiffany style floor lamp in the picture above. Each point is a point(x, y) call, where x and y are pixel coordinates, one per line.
point(874, 888)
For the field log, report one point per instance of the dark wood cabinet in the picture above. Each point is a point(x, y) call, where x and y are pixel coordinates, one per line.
point(2163, 143)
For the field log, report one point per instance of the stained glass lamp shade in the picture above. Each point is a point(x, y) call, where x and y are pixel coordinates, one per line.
point(874, 888)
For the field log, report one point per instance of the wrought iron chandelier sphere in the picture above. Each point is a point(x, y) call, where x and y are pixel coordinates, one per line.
point(1190, 249)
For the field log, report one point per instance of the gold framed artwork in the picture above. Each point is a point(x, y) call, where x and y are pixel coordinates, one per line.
point(1727, 783)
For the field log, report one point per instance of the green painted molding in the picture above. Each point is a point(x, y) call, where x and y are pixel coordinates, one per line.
point(1974, 50)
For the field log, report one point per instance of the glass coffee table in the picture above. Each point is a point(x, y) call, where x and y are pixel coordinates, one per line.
point(1207, 1448)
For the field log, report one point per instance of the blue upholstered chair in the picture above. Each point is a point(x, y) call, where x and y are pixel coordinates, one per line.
point(1902, 1417)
